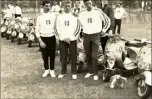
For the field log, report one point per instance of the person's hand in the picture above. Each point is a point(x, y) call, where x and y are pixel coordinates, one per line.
point(42, 44)
point(110, 33)
point(67, 40)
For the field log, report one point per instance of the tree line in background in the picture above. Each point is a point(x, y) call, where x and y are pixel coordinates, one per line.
point(130, 4)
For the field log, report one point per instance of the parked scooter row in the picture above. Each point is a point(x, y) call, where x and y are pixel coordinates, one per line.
point(125, 58)
point(19, 30)
point(143, 51)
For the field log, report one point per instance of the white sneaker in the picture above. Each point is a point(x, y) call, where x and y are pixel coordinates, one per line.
point(87, 75)
point(95, 77)
point(52, 73)
point(61, 75)
point(74, 76)
point(45, 73)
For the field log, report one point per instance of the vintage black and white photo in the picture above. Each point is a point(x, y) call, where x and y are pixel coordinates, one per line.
point(76, 49)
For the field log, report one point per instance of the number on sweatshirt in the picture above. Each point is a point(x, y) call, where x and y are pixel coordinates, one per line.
point(67, 23)
point(89, 20)
point(48, 22)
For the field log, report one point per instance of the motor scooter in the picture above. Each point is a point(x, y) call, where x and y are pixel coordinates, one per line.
point(143, 59)
point(118, 61)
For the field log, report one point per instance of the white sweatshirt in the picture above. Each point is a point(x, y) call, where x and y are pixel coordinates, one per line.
point(67, 26)
point(91, 21)
point(120, 13)
point(17, 10)
point(45, 25)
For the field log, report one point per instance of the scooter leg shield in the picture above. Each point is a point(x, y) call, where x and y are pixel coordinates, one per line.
point(148, 77)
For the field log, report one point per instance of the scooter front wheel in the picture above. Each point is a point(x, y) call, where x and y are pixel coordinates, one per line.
point(12, 39)
point(143, 89)
point(3, 35)
point(7, 37)
point(19, 41)
point(29, 44)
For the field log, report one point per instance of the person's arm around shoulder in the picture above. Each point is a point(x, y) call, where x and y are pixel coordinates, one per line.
point(78, 28)
point(57, 27)
point(42, 44)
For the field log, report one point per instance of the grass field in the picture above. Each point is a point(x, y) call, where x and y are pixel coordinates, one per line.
point(22, 67)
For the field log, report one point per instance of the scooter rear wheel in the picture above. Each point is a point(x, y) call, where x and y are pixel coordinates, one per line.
point(29, 44)
point(19, 41)
point(143, 89)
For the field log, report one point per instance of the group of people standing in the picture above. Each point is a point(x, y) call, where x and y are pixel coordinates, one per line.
point(11, 11)
point(66, 27)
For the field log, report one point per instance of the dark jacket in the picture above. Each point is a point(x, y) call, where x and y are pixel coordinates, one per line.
point(110, 13)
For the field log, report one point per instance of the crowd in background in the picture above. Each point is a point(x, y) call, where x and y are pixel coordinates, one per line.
point(138, 14)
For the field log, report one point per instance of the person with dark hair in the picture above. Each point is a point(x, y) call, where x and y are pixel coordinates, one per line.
point(108, 10)
point(91, 20)
point(46, 37)
point(119, 14)
point(17, 11)
point(67, 27)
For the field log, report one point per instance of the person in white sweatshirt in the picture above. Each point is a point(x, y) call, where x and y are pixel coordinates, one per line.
point(6, 12)
point(17, 11)
point(91, 20)
point(119, 14)
point(55, 8)
point(67, 31)
point(77, 7)
point(45, 33)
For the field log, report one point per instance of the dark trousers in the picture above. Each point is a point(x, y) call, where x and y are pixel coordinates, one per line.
point(117, 23)
point(103, 41)
point(49, 52)
point(17, 15)
point(72, 47)
point(91, 45)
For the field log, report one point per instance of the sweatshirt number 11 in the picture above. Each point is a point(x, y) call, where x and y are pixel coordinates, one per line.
point(89, 20)
point(67, 23)
point(48, 22)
